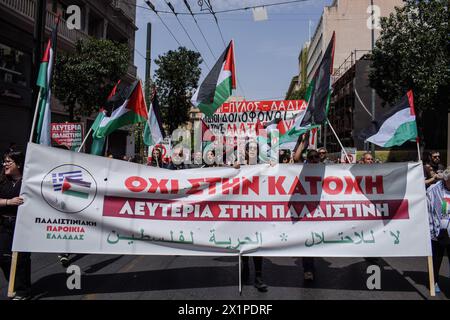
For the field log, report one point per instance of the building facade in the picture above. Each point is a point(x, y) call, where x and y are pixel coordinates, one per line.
point(351, 21)
point(103, 19)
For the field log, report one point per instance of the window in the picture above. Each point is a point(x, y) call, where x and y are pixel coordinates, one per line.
point(14, 66)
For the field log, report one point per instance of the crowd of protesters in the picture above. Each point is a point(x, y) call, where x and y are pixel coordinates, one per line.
point(436, 179)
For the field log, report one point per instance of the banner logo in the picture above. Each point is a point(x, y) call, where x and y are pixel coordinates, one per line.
point(69, 188)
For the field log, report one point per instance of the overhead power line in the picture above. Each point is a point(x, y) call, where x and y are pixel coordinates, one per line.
point(221, 11)
point(187, 33)
point(199, 29)
point(152, 7)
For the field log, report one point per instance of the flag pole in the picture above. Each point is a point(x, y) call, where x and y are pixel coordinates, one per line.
point(85, 139)
point(418, 149)
point(339, 141)
point(33, 126)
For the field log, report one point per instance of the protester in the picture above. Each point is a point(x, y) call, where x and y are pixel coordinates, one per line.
point(12, 147)
point(197, 160)
point(308, 262)
point(438, 198)
point(323, 154)
point(178, 162)
point(251, 157)
point(284, 156)
point(156, 159)
point(211, 160)
point(10, 184)
point(433, 169)
point(367, 158)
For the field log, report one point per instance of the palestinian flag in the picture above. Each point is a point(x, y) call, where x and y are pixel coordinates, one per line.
point(153, 131)
point(289, 139)
point(44, 81)
point(132, 110)
point(99, 143)
point(396, 126)
point(76, 188)
point(319, 90)
point(218, 84)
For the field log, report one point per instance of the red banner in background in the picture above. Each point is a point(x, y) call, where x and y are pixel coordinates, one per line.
point(267, 105)
point(67, 134)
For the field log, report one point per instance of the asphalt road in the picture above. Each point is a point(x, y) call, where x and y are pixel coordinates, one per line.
point(106, 277)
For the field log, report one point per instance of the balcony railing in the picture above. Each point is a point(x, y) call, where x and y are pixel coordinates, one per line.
point(27, 9)
point(71, 35)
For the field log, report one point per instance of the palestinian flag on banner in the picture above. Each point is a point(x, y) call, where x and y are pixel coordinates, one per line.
point(277, 123)
point(99, 143)
point(397, 126)
point(445, 206)
point(132, 110)
point(76, 188)
point(218, 84)
point(207, 134)
point(44, 81)
point(153, 131)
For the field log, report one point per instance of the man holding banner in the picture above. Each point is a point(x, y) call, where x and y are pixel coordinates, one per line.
point(438, 196)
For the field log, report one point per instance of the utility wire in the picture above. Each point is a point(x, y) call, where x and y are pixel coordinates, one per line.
point(139, 53)
point(222, 11)
point(187, 33)
point(208, 2)
point(152, 8)
point(193, 17)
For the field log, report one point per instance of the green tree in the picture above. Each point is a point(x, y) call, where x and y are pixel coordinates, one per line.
point(298, 94)
point(84, 79)
point(412, 53)
point(176, 78)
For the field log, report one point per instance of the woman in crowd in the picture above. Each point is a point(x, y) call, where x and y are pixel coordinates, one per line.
point(251, 157)
point(10, 183)
point(156, 159)
point(312, 156)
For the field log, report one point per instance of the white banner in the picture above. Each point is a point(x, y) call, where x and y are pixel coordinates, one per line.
point(79, 203)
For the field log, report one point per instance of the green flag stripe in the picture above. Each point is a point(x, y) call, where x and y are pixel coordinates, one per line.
point(405, 132)
point(223, 91)
point(126, 119)
point(42, 76)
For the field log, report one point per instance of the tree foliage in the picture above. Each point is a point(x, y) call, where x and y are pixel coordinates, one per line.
point(298, 94)
point(84, 79)
point(412, 53)
point(176, 78)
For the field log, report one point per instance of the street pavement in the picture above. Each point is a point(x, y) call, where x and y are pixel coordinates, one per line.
point(126, 277)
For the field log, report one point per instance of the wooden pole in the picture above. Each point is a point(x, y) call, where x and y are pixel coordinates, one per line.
point(340, 143)
point(240, 274)
point(85, 139)
point(12, 275)
point(33, 125)
point(418, 150)
point(431, 276)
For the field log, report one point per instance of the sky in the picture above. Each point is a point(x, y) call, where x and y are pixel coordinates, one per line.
point(266, 52)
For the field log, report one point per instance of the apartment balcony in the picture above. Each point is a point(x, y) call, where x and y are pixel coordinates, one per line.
point(26, 10)
point(23, 14)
